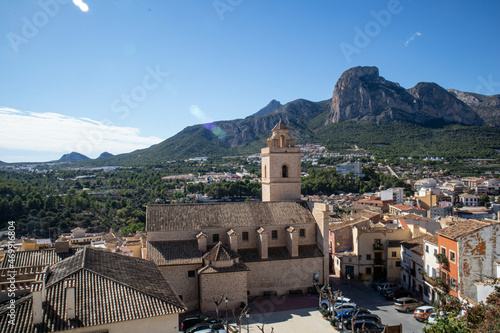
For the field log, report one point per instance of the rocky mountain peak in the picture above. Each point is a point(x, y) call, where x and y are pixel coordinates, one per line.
point(270, 107)
point(362, 94)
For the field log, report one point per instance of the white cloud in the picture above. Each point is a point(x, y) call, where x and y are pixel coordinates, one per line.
point(82, 5)
point(53, 132)
point(416, 34)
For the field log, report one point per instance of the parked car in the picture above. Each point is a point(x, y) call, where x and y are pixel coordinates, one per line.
point(189, 322)
point(394, 293)
point(375, 284)
point(213, 330)
point(208, 323)
point(386, 285)
point(347, 314)
point(423, 312)
point(367, 326)
point(325, 304)
point(338, 307)
point(434, 317)
point(363, 317)
point(407, 304)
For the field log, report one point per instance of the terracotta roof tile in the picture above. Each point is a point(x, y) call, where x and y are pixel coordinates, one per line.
point(109, 288)
point(461, 229)
point(174, 252)
point(220, 253)
point(226, 215)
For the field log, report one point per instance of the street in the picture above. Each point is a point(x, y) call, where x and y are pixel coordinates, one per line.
point(367, 298)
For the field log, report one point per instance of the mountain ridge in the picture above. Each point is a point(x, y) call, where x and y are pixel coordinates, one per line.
point(361, 96)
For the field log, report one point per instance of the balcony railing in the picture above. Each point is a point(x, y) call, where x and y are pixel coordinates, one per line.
point(443, 287)
point(430, 281)
point(378, 247)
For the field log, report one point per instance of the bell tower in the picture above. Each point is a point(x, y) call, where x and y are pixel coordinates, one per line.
point(280, 166)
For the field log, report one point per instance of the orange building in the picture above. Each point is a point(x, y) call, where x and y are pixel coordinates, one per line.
point(466, 255)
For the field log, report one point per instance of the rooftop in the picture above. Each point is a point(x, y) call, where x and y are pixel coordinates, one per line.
point(226, 215)
point(461, 229)
point(109, 287)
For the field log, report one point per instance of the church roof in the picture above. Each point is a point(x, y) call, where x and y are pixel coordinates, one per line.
point(279, 126)
point(226, 215)
point(220, 253)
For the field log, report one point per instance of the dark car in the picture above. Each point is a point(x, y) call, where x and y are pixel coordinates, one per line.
point(395, 293)
point(363, 317)
point(196, 323)
point(375, 284)
point(189, 322)
point(347, 314)
point(367, 326)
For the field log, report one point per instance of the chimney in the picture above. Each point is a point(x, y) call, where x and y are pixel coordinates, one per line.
point(202, 241)
point(70, 286)
point(233, 240)
point(263, 246)
point(292, 241)
point(62, 246)
point(37, 290)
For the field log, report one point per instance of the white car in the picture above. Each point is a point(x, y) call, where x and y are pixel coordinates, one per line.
point(343, 306)
point(325, 304)
point(433, 318)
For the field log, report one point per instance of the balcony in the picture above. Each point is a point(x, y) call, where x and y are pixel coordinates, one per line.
point(378, 262)
point(412, 272)
point(378, 247)
point(442, 286)
point(430, 281)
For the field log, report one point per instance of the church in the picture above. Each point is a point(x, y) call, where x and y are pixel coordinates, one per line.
point(243, 249)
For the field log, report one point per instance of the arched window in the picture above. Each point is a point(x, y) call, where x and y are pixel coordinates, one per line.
point(284, 171)
point(282, 141)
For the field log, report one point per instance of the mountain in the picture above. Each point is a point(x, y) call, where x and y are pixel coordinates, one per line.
point(73, 157)
point(365, 110)
point(362, 94)
point(2, 162)
point(271, 107)
point(105, 155)
point(487, 107)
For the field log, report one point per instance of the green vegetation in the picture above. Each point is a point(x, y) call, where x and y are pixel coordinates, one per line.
point(46, 204)
point(484, 317)
point(393, 140)
point(328, 181)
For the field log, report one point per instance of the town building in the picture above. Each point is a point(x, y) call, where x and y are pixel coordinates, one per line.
point(468, 253)
point(469, 200)
point(431, 269)
point(396, 194)
point(97, 291)
point(350, 167)
point(277, 246)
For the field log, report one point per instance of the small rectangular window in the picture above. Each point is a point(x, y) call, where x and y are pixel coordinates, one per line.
point(191, 274)
point(215, 238)
point(274, 234)
point(394, 254)
point(452, 256)
point(427, 248)
point(244, 236)
point(443, 250)
point(368, 270)
point(368, 257)
point(398, 264)
point(302, 232)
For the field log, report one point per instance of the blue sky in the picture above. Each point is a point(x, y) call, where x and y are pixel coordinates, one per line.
point(125, 74)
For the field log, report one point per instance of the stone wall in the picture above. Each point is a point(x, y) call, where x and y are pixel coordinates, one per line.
point(184, 286)
point(283, 275)
point(232, 285)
